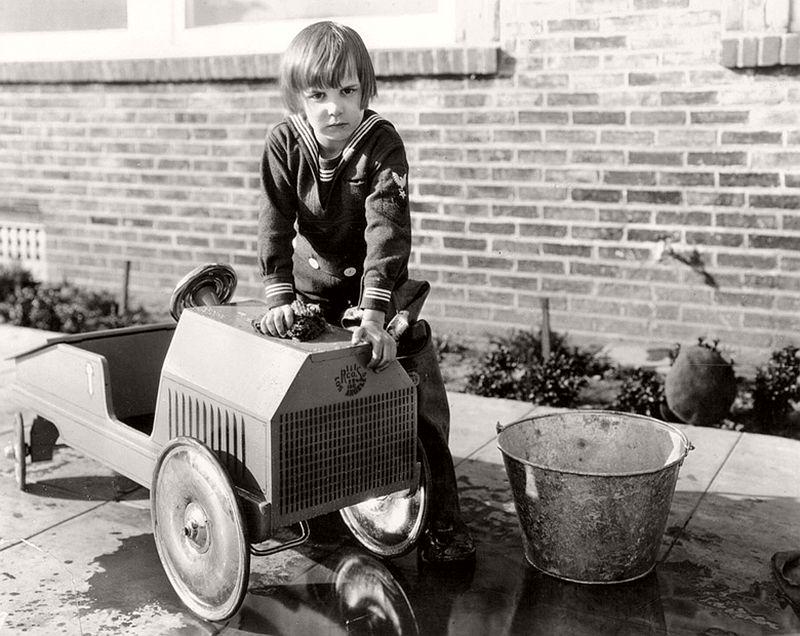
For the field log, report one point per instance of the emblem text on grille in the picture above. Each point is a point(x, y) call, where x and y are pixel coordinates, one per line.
point(351, 379)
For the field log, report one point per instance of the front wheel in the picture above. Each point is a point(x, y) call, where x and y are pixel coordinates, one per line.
point(390, 526)
point(199, 530)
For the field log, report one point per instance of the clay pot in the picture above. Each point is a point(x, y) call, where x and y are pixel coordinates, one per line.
point(700, 386)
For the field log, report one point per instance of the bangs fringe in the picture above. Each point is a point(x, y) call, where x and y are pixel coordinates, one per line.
point(324, 67)
point(321, 56)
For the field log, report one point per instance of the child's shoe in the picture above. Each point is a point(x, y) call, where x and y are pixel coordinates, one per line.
point(447, 543)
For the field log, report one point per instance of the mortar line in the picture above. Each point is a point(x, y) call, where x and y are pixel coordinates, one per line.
point(702, 497)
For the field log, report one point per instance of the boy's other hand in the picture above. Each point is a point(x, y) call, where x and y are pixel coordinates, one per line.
point(278, 320)
point(384, 348)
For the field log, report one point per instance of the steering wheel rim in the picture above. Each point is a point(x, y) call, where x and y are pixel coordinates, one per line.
point(217, 278)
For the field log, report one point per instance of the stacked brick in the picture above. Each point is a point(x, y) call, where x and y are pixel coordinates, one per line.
point(610, 163)
point(621, 171)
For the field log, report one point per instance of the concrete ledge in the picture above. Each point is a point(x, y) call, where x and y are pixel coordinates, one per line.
point(755, 50)
point(456, 61)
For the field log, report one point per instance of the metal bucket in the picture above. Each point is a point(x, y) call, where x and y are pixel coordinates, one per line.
point(592, 490)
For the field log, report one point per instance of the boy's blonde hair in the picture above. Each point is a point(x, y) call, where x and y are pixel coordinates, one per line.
point(321, 56)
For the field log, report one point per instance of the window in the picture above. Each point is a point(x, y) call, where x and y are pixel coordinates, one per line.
point(62, 15)
point(123, 29)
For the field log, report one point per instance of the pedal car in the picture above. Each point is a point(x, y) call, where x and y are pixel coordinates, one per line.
point(235, 433)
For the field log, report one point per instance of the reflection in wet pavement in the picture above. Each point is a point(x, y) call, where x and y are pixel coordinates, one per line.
point(358, 595)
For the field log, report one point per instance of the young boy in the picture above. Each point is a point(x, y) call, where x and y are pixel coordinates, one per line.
point(334, 229)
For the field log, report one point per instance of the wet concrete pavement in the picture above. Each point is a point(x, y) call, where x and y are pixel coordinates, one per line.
point(77, 554)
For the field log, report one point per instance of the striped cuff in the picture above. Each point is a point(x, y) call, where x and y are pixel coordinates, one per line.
point(278, 294)
point(376, 298)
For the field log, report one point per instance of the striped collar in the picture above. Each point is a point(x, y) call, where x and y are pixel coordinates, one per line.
point(309, 142)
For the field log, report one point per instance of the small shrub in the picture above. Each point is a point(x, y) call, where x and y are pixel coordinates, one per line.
point(776, 390)
point(498, 374)
point(445, 345)
point(12, 278)
point(65, 308)
point(642, 392)
point(556, 381)
point(514, 368)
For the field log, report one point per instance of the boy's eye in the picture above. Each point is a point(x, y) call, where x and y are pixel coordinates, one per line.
point(349, 90)
point(316, 96)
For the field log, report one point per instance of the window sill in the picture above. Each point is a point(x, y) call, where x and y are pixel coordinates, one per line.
point(451, 61)
point(756, 50)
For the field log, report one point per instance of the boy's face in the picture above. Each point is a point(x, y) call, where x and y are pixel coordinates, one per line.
point(334, 113)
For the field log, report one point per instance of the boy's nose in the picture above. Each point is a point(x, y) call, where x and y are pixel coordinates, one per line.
point(334, 107)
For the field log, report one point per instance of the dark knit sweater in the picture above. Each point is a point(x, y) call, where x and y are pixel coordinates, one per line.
point(349, 246)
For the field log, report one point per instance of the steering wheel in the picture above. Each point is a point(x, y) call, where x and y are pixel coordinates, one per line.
point(210, 284)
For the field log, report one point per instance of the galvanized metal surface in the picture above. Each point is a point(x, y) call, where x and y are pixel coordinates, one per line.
point(592, 491)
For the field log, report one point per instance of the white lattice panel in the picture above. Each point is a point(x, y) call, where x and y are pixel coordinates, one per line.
point(23, 244)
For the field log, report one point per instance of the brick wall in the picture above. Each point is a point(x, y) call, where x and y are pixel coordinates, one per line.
point(610, 164)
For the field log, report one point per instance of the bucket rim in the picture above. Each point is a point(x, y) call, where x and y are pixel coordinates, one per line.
point(687, 445)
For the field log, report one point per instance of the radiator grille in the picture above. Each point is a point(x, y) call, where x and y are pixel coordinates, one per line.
point(221, 429)
point(329, 453)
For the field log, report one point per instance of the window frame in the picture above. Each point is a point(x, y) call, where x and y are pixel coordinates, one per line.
point(156, 29)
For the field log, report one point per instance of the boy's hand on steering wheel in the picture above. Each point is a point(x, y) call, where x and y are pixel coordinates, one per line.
point(384, 347)
point(278, 320)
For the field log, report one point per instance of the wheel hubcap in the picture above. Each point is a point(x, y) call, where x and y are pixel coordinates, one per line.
point(195, 528)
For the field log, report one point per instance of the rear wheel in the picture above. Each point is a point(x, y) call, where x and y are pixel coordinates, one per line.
point(390, 526)
point(199, 530)
point(20, 452)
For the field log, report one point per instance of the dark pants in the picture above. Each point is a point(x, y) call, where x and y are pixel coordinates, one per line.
point(417, 355)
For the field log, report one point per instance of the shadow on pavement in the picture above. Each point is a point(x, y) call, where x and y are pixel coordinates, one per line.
point(89, 488)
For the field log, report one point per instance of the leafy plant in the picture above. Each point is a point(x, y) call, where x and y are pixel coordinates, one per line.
point(515, 368)
point(13, 277)
point(776, 389)
point(446, 344)
point(497, 375)
point(63, 307)
point(557, 380)
point(642, 391)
